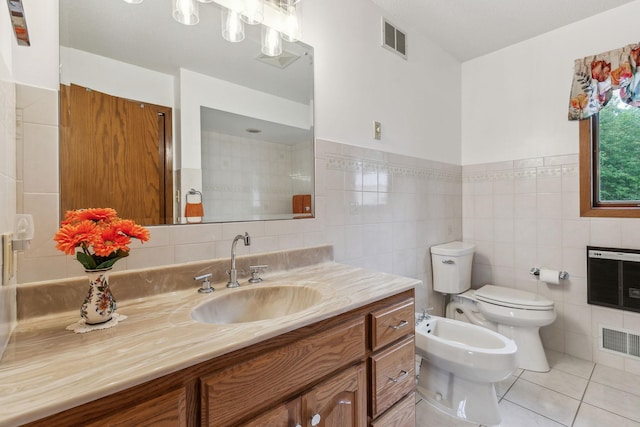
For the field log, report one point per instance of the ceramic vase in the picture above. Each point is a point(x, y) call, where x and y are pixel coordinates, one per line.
point(99, 304)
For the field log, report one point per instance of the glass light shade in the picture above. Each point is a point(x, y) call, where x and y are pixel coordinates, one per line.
point(232, 26)
point(293, 20)
point(186, 11)
point(271, 42)
point(133, 1)
point(253, 11)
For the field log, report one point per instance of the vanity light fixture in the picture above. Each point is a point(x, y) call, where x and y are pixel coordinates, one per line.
point(253, 11)
point(292, 20)
point(281, 19)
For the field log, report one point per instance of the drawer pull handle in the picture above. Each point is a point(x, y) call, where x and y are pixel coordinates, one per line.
point(315, 420)
point(400, 325)
point(402, 377)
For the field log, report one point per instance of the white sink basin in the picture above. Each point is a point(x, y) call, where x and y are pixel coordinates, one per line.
point(253, 304)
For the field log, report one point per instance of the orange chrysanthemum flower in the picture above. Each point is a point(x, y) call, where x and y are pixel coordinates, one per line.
point(131, 229)
point(102, 237)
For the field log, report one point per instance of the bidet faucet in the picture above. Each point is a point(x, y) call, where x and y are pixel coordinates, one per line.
point(233, 273)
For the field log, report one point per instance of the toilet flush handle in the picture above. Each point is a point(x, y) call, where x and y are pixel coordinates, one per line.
point(448, 261)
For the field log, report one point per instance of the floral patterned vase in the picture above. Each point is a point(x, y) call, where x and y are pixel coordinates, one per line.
point(99, 304)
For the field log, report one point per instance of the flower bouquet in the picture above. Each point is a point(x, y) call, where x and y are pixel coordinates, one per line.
point(99, 239)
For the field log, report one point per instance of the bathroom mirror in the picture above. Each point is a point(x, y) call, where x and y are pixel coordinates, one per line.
point(258, 109)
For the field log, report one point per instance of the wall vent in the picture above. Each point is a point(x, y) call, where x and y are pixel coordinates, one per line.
point(394, 39)
point(620, 341)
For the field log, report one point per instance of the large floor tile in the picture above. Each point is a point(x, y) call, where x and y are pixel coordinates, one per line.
point(613, 400)
point(546, 402)
point(590, 416)
point(517, 416)
point(428, 415)
point(616, 378)
point(572, 365)
point(560, 381)
point(503, 386)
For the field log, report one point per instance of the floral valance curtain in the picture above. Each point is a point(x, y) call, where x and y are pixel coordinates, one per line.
point(597, 76)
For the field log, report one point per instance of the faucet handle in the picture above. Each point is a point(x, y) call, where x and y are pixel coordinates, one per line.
point(255, 272)
point(205, 287)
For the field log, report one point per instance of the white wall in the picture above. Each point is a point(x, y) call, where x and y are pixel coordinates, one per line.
point(515, 101)
point(37, 65)
point(357, 81)
point(115, 78)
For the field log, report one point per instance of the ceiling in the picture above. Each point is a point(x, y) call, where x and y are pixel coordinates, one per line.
point(471, 28)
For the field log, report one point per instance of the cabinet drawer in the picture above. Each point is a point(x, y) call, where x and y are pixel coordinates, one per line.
point(245, 389)
point(403, 414)
point(392, 375)
point(391, 323)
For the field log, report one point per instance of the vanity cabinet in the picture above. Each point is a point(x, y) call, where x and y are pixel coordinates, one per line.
point(339, 401)
point(348, 370)
point(392, 365)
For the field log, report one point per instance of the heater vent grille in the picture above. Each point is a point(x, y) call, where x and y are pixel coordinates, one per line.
point(620, 341)
point(394, 39)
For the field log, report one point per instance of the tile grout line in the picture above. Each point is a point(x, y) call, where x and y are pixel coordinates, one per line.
point(575, 416)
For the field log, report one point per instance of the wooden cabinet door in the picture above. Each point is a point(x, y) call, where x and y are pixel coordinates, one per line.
point(339, 401)
point(284, 415)
point(115, 153)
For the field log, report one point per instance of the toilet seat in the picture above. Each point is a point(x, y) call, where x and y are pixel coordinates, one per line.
point(513, 298)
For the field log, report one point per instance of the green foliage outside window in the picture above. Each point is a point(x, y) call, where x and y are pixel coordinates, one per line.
point(619, 147)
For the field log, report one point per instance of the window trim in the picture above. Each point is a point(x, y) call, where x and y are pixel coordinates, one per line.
point(588, 150)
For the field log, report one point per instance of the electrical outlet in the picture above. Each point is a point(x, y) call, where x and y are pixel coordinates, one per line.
point(7, 258)
point(377, 130)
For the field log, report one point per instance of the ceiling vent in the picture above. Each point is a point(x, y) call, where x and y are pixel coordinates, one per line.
point(281, 61)
point(394, 39)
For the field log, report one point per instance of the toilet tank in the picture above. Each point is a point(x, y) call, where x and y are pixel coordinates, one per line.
point(451, 264)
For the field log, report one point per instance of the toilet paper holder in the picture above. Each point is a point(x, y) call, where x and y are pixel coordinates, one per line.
point(535, 271)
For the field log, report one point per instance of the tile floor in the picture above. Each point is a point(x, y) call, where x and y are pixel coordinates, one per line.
point(575, 393)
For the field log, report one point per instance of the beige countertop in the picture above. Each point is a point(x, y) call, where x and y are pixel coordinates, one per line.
point(47, 369)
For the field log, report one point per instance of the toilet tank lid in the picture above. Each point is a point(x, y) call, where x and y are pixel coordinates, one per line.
point(453, 249)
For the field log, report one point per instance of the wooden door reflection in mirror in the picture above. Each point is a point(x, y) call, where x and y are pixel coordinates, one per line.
point(116, 153)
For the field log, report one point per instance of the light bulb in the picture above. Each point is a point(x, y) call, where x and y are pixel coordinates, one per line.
point(271, 43)
point(292, 23)
point(253, 12)
point(186, 11)
point(133, 1)
point(232, 26)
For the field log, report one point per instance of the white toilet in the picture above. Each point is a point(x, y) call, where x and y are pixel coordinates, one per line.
point(460, 364)
point(513, 313)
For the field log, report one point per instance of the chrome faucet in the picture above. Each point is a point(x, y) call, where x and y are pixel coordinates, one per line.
point(233, 273)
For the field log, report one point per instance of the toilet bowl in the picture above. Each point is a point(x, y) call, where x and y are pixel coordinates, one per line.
point(514, 313)
point(461, 363)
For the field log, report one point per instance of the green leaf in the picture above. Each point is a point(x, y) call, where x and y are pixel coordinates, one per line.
point(107, 264)
point(86, 260)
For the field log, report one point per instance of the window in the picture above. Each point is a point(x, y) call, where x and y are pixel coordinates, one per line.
point(610, 161)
